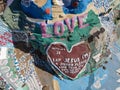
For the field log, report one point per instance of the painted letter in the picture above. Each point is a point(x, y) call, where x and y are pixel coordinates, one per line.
point(60, 24)
point(80, 21)
point(44, 28)
point(70, 24)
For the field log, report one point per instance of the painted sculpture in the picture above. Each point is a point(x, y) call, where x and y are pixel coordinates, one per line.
point(47, 43)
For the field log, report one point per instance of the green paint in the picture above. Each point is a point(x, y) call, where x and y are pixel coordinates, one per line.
point(69, 39)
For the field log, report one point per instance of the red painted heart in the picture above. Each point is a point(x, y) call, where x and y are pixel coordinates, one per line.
point(69, 63)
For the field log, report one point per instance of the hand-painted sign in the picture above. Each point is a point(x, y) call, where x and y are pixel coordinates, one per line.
point(69, 63)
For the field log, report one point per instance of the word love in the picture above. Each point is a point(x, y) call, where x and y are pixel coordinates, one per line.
point(5, 37)
point(69, 63)
point(59, 26)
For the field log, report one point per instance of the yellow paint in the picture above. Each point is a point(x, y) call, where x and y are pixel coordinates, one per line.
point(40, 3)
point(56, 85)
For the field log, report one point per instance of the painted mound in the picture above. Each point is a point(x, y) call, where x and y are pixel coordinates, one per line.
point(71, 42)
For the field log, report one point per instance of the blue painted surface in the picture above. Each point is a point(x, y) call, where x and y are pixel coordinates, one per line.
point(111, 82)
point(34, 11)
point(38, 12)
point(107, 79)
point(81, 7)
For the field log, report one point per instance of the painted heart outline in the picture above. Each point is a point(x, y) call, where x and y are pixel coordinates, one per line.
point(69, 63)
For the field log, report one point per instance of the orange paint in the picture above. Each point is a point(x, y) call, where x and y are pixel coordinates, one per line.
point(47, 10)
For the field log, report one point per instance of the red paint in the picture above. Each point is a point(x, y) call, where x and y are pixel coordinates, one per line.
point(5, 38)
point(69, 63)
point(47, 10)
point(75, 4)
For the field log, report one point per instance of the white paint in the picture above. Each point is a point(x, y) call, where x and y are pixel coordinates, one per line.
point(32, 82)
point(118, 71)
point(118, 80)
point(118, 56)
point(3, 62)
point(69, 51)
point(118, 88)
point(3, 53)
point(19, 83)
point(85, 56)
point(9, 74)
point(97, 84)
point(97, 57)
point(14, 79)
point(5, 72)
point(30, 85)
point(5, 69)
point(59, 2)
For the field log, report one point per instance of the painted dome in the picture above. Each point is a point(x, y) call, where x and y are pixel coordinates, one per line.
point(37, 8)
point(42, 9)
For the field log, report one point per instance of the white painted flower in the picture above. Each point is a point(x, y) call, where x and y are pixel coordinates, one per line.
point(97, 84)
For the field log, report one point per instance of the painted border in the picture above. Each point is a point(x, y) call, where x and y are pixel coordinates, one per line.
point(49, 59)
